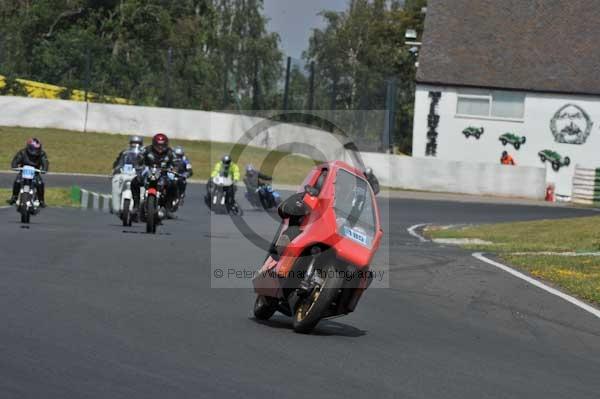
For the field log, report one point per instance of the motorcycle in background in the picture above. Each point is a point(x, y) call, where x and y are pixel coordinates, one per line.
point(27, 202)
point(122, 198)
point(263, 197)
point(319, 263)
point(156, 204)
point(219, 200)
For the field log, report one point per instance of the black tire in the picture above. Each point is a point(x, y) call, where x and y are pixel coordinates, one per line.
point(126, 214)
point(517, 146)
point(555, 166)
point(236, 210)
point(25, 215)
point(523, 140)
point(264, 307)
point(567, 161)
point(310, 311)
point(542, 158)
point(151, 215)
point(503, 141)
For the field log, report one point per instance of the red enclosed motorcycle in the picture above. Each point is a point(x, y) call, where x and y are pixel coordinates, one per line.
point(318, 265)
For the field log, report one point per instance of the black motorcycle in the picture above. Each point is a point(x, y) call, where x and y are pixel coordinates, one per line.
point(27, 202)
point(157, 203)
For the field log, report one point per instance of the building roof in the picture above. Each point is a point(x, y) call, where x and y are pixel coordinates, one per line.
point(531, 45)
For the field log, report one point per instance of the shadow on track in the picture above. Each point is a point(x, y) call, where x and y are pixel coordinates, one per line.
point(325, 328)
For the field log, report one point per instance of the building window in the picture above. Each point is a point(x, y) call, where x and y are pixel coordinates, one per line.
point(497, 104)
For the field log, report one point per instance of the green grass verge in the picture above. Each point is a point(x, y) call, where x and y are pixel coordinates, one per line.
point(55, 196)
point(579, 275)
point(94, 153)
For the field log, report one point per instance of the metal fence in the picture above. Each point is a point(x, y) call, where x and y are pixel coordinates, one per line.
point(191, 78)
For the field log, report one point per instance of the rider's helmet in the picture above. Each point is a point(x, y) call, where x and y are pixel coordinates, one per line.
point(160, 143)
point(33, 147)
point(250, 170)
point(368, 171)
point(504, 154)
point(178, 151)
point(136, 142)
point(226, 160)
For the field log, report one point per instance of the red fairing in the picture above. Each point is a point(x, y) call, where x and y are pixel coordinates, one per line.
point(320, 227)
point(152, 191)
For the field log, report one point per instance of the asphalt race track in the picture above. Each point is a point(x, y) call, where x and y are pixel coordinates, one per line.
point(92, 310)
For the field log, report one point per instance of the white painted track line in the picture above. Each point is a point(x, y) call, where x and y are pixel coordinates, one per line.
point(532, 281)
point(412, 231)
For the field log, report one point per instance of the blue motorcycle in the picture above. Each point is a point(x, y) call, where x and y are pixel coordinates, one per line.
point(263, 197)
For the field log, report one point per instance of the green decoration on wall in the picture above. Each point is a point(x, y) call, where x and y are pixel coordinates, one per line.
point(473, 131)
point(554, 158)
point(511, 138)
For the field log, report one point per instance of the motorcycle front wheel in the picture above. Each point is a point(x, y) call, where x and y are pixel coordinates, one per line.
point(23, 210)
point(126, 216)
point(151, 215)
point(311, 309)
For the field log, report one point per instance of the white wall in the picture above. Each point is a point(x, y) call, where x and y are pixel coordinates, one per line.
point(430, 174)
point(177, 123)
point(539, 110)
point(393, 171)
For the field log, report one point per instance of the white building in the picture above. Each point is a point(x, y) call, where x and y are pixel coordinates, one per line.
point(528, 68)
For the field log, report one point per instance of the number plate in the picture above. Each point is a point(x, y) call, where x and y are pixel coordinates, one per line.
point(356, 235)
point(128, 168)
point(28, 172)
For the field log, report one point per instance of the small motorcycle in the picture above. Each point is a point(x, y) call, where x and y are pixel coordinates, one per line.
point(319, 263)
point(27, 202)
point(220, 199)
point(156, 203)
point(122, 198)
point(263, 197)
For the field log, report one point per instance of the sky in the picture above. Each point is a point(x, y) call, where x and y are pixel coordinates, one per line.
point(294, 20)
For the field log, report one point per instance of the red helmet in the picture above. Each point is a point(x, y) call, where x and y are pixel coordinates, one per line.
point(34, 147)
point(160, 143)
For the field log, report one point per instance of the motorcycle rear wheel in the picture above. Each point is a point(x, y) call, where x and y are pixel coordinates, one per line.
point(264, 308)
point(311, 310)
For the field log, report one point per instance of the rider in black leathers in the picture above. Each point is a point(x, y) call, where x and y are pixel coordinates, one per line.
point(158, 154)
point(32, 155)
point(255, 178)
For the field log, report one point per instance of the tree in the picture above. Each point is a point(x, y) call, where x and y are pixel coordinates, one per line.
point(358, 51)
point(171, 53)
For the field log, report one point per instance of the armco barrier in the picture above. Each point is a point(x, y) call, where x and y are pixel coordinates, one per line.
point(91, 200)
point(427, 174)
point(586, 186)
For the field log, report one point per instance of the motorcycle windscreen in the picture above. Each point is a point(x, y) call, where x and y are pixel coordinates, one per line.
point(130, 161)
point(354, 209)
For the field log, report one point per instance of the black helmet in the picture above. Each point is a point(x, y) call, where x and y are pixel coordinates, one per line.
point(226, 160)
point(136, 141)
point(504, 153)
point(34, 147)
